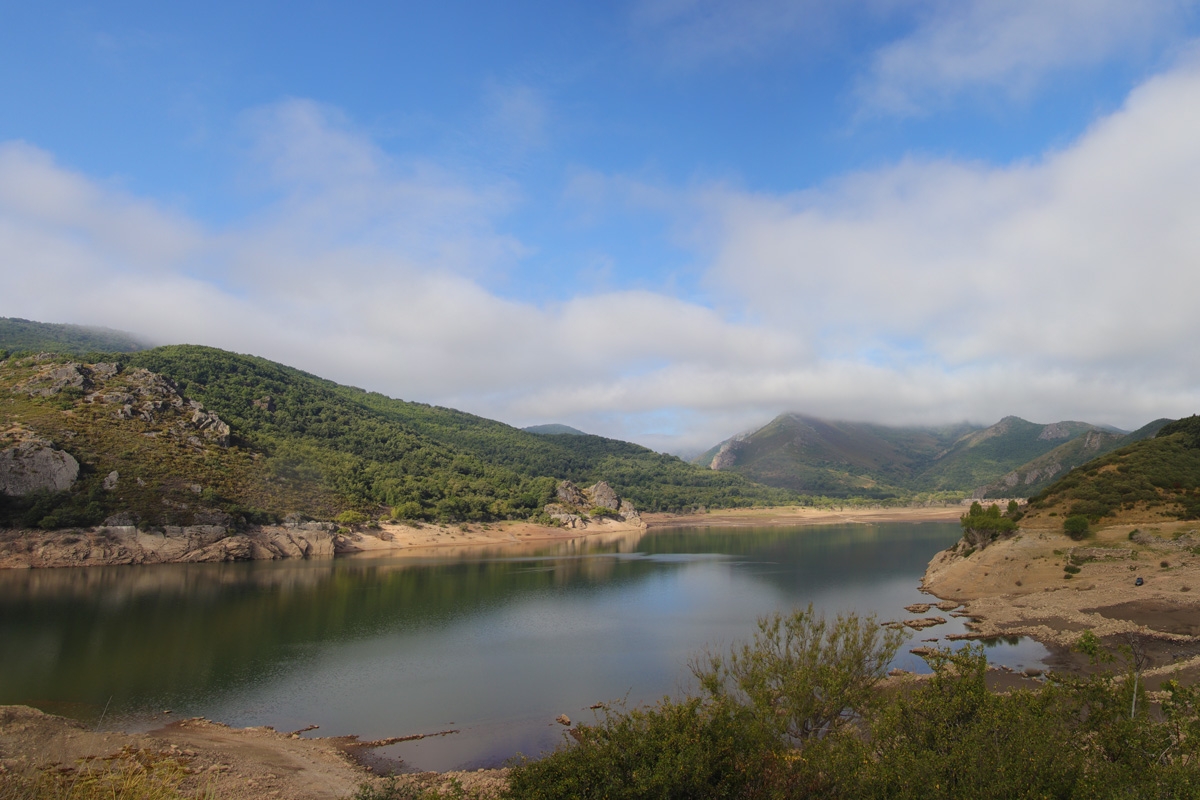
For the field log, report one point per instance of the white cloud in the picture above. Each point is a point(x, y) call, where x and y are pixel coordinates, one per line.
point(362, 269)
point(929, 291)
point(1081, 266)
point(1009, 45)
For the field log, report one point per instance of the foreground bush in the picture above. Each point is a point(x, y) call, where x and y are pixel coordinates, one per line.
point(944, 737)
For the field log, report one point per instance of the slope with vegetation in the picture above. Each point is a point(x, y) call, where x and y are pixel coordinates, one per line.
point(1032, 477)
point(801, 712)
point(842, 459)
point(18, 335)
point(1148, 479)
point(301, 444)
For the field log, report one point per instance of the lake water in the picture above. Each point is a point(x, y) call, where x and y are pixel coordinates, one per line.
point(493, 645)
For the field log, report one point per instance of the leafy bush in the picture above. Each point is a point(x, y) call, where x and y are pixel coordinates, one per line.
point(981, 527)
point(1077, 527)
point(676, 749)
point(800, 676)
point(350, 518)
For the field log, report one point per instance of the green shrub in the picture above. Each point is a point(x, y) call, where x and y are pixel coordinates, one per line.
point(1076, 526)
point(349, 518)
point(676, 749)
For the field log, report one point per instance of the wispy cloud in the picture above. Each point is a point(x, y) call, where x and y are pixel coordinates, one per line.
point(688, 33)
point(926, 291)
point(1008, 45)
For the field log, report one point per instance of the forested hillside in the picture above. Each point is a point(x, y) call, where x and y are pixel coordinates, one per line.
point(1014, 457)
point(18, 335)
point(299, 443)
point(1158, 477)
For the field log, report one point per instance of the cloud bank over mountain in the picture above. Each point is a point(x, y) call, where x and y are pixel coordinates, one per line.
point(923, 288)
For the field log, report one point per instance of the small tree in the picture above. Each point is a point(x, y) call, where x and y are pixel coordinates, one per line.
point(802, 677)
point(1076, 526)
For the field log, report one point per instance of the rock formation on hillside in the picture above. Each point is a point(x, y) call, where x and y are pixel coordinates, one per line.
point(126, 544)
point(576, 507)
point(30, 464)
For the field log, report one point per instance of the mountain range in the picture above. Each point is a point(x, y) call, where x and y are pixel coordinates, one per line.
point(191, 431)
point(181, 434)
point(1012, 458)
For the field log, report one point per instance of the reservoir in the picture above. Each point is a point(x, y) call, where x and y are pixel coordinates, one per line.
point(493, 645)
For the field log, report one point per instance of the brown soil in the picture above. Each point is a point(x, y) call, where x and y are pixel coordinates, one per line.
point(221, 762)
point(1019, 586)
point(800, 515)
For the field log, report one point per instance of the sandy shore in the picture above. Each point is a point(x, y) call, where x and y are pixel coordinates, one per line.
point(1020, 587)
point(426, 539)
point(209, 759)
point(803, 515)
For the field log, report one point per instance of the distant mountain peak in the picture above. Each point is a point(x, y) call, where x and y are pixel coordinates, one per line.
point(554, 429)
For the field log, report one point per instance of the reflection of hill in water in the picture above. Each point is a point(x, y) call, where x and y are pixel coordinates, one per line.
point(186, 630)
point(795, 558)
point(153, 635)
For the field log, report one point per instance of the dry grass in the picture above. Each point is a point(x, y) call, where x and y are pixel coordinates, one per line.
point(129, 775)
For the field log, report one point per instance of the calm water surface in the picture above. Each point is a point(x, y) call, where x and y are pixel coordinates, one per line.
point(493, 645)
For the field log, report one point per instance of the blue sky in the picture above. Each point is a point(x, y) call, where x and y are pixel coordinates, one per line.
point(660, 220)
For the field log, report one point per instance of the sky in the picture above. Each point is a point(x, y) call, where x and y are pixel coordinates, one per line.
point(665, 221)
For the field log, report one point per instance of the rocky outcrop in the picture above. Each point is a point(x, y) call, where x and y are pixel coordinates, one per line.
point(569, 494)
point(576, 507)
point(726, 456)
point(603, 496)
point(126, 544)
point(33, 465)
point(1055, 431)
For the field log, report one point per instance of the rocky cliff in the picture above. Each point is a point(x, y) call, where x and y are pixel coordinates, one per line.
point(576, 508)
point(126, 544)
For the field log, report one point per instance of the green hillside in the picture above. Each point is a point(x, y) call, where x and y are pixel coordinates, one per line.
point(840, 459)
point(17, 335)
point(1154, 477)
point(981, 457)
point(299, 443)
point(1036, 475)
point(837, 459)
point(553, 429)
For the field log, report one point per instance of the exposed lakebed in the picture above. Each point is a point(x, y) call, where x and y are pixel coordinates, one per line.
point(493, 645)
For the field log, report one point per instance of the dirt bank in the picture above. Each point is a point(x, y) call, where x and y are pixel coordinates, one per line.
point(801, 515)
point(1042, 584)
point(105, 546)
point(210, 760)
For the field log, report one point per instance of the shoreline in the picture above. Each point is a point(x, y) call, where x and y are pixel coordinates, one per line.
point(1019, 587)
point(127, 545)
point(211, 759)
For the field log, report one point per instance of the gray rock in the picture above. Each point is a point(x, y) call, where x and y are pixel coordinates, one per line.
point(34, 465)
point(55, 379)
point(110, 480)
point(604, 496)
point(569, 494)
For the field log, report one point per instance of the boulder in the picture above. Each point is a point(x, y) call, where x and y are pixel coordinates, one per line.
point(35, 465)
point(604, 496)
point(569, 494)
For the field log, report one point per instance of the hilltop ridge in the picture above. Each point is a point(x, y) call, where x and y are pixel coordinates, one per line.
point(844, 459)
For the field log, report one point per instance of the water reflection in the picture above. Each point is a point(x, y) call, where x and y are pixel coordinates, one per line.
point(495, 644)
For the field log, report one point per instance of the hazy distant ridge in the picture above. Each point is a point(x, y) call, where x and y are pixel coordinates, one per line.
point(816, 456)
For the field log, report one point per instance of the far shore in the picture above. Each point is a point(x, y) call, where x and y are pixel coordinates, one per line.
point(108, 546)
point(804, 515)
point(427, 539)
